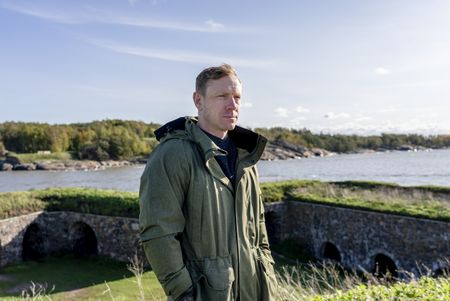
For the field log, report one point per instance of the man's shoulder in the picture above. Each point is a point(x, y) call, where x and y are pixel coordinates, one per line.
point(173, 148)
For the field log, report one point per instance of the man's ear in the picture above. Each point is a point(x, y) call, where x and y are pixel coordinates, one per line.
point(198, 100)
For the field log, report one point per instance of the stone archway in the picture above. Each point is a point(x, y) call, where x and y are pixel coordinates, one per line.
point(441, 272)
point(270, 219)
point(330, 251)
point(33, 243)
point(83, 240)
point(384, 266)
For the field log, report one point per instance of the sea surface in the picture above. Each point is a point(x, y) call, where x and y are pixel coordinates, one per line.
point(405, 168)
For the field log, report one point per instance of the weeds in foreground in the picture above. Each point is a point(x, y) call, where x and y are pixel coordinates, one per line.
point(36, 292)
point(313, 282)
point(136, 266)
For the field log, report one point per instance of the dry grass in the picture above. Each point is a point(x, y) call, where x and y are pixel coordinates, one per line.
point(326, 281)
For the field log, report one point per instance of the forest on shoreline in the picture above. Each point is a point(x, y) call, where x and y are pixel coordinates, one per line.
point(125, 139)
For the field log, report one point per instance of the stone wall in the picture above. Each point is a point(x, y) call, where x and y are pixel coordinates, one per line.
point(64, 232)
point(355, 238)
point(360, 236)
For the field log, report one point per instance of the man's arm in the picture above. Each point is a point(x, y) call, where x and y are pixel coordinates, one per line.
point(161, 218)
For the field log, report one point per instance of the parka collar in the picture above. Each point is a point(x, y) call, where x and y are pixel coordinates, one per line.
point(187, 128)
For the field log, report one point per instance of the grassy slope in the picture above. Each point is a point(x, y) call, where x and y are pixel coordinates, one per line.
point(425, 202)
point(88, 279)
point(78, 279)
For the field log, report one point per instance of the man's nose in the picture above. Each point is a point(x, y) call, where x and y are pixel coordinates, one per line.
point(233, 103)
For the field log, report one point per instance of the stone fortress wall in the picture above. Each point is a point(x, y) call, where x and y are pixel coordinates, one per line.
point(38, 234)
point(357, 239)
point(360, 239)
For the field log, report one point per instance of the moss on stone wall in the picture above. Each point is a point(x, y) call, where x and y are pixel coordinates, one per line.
point(424, 202)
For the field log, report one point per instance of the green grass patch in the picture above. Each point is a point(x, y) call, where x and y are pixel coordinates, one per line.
point(424, 202)
point(83, 200)
point(35, 157)
point(69, 278)
point(425, 288)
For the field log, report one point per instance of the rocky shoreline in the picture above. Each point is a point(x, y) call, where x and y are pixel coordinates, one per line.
point(74, 165)
point(273, 151)
point(285, 151)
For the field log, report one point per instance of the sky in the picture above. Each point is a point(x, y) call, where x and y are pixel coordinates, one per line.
point(348, 67)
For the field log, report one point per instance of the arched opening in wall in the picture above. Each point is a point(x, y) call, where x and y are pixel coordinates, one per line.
point(384, 267)
point(33, 243)
point(270, 219)
point(441, 272)
point(84, 241)
point(330, 251)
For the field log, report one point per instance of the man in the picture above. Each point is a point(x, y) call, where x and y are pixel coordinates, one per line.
point(201, 215)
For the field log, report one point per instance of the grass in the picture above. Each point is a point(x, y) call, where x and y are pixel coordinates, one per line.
point(424, 202)
point(35, 157)
point(68, 278)
point(84, 200)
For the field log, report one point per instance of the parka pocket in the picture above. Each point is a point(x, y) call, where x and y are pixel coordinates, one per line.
point(267, 277)
point(215, 283)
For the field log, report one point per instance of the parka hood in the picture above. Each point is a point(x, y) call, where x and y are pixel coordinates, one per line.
point(186, 128)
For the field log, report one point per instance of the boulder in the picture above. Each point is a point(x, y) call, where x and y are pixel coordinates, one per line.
point(405, 147)
point(25, 166)
point(319, 152)
point(50, 166)
point(5, 166)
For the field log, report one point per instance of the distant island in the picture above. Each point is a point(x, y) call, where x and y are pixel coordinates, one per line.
point(109, 143)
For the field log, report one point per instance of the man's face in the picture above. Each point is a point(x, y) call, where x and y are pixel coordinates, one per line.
point(218, 109)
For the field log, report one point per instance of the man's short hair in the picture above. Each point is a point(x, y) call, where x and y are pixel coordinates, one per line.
point(213, 73)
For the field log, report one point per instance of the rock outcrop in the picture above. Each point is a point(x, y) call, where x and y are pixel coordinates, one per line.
point(7, 165)
point(279, 150)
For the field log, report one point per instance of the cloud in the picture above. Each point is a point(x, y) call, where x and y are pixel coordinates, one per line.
point(214, 25)
point(382, 71)
point(388, 109)
point(282, 112)
point(102, 17)
point(331, 115)
point(298, 121)
point(181, 55)
point(46, 15)
point(408, 127)
point(363, 118)
point(301, 109)
point(247, 105)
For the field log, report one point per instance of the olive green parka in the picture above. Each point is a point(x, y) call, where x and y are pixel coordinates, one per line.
point(199, 230)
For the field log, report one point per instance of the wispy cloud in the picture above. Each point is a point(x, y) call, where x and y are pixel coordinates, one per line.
point(298, 121)
point(105, 18)
point(388, 109)
point(301, 109)
point(282, 112)
point(408, 127)
point(382, 71)
point(181, 55)
point(46, 15)
point(331, 115)
point(132, 2)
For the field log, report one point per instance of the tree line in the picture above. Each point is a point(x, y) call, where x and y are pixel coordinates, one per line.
point(121, 139)
point(98, 140)
point(349, 143)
